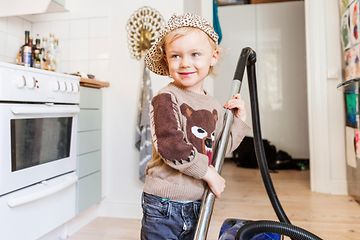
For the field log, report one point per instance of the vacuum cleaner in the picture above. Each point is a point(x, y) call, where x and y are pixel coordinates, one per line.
point(239, 229)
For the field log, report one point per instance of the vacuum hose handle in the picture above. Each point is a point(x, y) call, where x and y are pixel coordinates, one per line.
point(247, 57)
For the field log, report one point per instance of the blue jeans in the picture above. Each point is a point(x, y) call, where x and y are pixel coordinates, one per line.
point(166, 219)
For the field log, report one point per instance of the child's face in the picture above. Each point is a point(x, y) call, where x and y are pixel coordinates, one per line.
point(189, 58)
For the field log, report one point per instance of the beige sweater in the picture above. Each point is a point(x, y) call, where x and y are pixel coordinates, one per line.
point(185, 126)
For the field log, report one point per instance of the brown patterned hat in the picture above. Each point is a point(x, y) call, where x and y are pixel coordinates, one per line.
point(155, 59)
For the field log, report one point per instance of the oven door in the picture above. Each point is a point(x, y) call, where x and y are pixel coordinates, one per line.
point(37, 142)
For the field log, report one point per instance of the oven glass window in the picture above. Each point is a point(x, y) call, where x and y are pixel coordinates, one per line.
point(39, 140)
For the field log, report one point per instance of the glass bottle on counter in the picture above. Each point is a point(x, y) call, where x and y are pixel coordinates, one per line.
point(37, 53)
point(43, 53)
point(52, 52)
point(31, 44)
point(26, 51)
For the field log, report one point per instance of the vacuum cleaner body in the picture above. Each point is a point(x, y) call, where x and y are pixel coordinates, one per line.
point(231, 226)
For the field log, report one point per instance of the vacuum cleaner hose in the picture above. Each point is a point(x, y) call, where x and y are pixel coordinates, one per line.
point(259, 148)
point(283, 227)
point(263, 226)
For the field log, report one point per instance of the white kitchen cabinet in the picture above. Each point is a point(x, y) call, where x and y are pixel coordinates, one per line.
point(89, 149)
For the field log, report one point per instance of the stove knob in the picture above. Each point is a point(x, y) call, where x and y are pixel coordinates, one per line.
point(69, 87)
point(30, 82)
point(56, 86)
point(75, 87)
point(62, 86)
point(21, 82)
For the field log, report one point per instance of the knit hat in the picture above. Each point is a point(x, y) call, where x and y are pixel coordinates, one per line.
point(155, 59)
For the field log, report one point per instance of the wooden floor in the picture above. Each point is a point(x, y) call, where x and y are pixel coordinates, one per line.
point(328, 216)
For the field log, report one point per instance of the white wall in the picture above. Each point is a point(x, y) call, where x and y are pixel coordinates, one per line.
point(83, 41)
point(12, 37)
point(335, 98)
point(277, 33)
point(325, 102)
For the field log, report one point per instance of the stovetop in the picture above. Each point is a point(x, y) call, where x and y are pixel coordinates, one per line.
point(26, 84)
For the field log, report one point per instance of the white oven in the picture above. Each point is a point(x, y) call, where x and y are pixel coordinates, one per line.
point(38, 119)
point(38, 142)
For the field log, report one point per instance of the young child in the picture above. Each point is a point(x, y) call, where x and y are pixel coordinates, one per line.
point(186, 122)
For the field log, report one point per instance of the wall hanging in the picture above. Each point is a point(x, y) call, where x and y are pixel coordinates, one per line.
point(143, 27)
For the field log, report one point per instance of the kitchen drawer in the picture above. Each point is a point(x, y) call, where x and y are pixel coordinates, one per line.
point(89, 191)
point(89, 163)
point(89, 119)
point(90, 98)
point(89, 141)
point(31, 212)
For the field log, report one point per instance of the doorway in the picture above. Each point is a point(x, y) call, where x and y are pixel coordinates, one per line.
point(277, 33)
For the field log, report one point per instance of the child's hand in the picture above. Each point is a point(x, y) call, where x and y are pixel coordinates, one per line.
point(238, 106)
point(215, 182)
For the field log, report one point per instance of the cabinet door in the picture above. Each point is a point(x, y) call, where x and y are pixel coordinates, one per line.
point(89, 141)
point(90, 98)
point(88, 191)
point(89, 163)
point(89, 119)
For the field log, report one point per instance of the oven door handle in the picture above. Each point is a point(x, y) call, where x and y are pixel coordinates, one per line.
point(49, 190)
point(46, 109)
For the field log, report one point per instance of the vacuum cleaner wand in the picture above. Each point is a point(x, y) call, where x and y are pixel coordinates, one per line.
point(247, 56)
